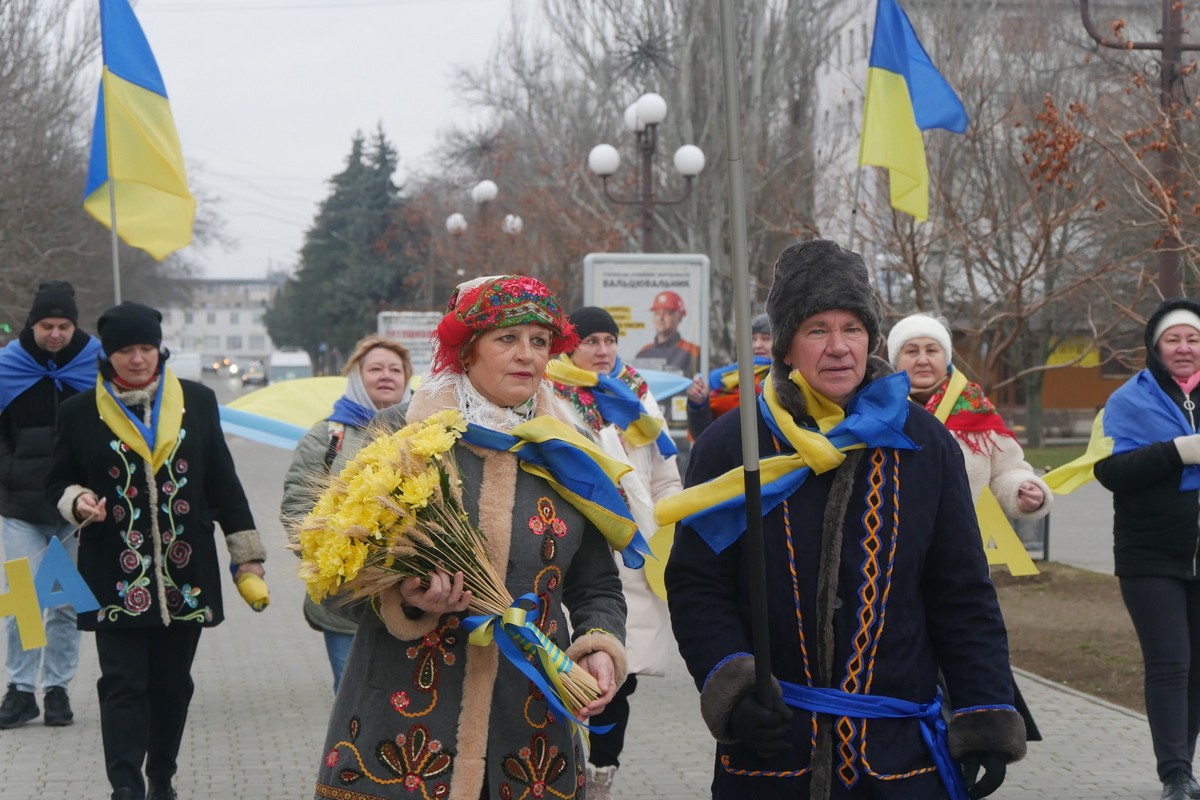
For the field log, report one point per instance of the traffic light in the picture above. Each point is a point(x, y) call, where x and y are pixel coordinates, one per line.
point(5, 327)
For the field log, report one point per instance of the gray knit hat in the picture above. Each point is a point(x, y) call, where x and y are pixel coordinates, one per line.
point(816, 276)
point(761, 324)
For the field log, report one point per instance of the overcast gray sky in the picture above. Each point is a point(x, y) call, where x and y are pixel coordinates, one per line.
point(268, 93)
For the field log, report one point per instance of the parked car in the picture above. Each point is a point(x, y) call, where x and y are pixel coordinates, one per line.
point(254, 374)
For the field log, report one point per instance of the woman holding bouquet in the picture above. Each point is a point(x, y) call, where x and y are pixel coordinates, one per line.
point(423, 710)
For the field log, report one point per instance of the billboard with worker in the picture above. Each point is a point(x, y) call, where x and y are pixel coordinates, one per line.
point(660, 303)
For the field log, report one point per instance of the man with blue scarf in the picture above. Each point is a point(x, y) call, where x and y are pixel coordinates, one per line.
point(50, 361)
point(874, 574)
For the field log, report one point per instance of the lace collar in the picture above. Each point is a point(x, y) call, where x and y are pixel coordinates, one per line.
point(478, 409)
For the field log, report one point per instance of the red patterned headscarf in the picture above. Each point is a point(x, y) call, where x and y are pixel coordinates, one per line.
point(499, 301)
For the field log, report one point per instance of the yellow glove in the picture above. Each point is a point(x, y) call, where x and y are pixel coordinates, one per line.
point(253, 590)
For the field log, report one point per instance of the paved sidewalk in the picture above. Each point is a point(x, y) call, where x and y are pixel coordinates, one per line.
point(257, 722)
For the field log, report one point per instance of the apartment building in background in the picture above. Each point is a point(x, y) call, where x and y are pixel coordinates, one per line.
point(222, 318)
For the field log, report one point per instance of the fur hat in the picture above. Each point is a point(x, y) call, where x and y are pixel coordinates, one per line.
point(129, 324)
point(53, 299)
point(918, 326)
point(498, 301)
point(593, 319)
point(816, 276)
point(761, 324)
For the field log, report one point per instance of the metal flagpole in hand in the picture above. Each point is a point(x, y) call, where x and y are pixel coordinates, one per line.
point(755, 558)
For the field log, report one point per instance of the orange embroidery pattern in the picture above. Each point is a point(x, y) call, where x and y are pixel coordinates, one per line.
point(548, 525)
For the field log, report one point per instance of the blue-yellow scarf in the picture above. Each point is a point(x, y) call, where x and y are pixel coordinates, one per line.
point(579, 471)
point(875, 417)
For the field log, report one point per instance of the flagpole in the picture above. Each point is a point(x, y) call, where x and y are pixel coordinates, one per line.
point(116, 259)
point(112, 189)
point(854, 206)
point(755, 558)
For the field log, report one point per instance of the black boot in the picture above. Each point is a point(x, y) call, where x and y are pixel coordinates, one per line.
point(18, 708)
point(123, 794)
point(1176, 785)
point(58, 707)
point(161, 790)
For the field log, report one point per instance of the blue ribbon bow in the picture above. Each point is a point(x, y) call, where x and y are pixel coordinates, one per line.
point(873, 706)
point(516, 638)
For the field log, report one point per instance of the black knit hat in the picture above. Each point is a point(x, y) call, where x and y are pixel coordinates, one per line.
point(129, 324)
point(593, 319)
point(816, 276)
point(53, 299)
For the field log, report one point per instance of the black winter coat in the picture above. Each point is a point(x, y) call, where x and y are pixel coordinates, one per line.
point(27, 437)
point(196, 487)
point(1156, 527)
point(912, 593)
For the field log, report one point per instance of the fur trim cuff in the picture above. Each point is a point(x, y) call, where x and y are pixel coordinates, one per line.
point(66, 503)
point(595, 640)
point(732, 680)
point(391, 610)
point(988, 730)
point(245, 546)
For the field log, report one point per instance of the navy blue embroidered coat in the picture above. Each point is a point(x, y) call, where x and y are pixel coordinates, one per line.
point(911, 592)
point(122, 558)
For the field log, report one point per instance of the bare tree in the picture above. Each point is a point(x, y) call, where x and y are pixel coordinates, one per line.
point(555, 90)
point(48, 75)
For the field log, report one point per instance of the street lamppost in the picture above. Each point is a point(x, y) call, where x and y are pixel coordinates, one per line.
point(483, 193)
point(642, 118)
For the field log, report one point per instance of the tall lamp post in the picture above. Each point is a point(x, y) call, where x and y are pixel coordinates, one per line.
point(483, 193)
point(642, 118)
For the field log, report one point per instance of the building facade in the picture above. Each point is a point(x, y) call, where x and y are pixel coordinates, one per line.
point(223, 318)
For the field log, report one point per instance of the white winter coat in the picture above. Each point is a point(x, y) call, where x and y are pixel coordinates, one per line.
point(1003, 468)
point(648, 638)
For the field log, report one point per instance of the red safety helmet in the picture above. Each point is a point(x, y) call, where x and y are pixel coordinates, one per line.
point(668, 301)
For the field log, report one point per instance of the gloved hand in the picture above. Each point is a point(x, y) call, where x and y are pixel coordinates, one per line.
point(1189, 448)
point(994, 766)
point(764, 729)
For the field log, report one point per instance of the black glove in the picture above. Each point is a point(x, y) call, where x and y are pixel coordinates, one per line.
point(764, 729)
point(994, 765)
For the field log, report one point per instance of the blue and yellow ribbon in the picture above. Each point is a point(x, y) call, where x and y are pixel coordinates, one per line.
point(579, 471)
point(516, 636)
point(726, 379)
point(154, 442)
point(875, 417)
point(617, 402)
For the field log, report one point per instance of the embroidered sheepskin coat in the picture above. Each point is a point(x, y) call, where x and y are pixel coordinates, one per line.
point(905, 589)
point(143, 553)
point(423, 714)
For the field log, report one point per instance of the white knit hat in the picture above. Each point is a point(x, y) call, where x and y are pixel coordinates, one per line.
point(917, 326)
point(1179, 316)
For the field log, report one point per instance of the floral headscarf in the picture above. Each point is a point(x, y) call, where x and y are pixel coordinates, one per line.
point(499, 301)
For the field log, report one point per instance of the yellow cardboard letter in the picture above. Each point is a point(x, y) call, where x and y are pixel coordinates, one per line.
point(1000, 541)
point(22, 602)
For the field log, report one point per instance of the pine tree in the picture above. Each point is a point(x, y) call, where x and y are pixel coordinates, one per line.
point(354, 261)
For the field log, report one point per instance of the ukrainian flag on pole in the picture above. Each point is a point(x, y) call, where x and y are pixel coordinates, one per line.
point(135, 145)
point(905, 95)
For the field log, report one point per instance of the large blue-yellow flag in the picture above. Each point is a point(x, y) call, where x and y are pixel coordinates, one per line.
point(135, 145)
point(905, 95)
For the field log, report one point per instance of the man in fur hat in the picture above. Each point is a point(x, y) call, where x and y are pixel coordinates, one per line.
point(50, 361)
point(874, 574)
